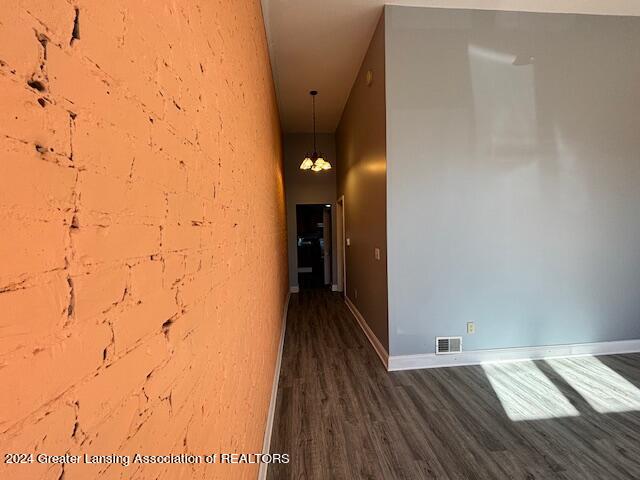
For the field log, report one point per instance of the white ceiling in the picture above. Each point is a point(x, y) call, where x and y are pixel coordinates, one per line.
point(319, 44)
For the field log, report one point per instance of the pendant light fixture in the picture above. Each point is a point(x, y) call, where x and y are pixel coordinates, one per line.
point(314, 162)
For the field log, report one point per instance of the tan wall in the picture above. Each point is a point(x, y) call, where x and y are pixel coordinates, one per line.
point(134, 311)
point(361, 147)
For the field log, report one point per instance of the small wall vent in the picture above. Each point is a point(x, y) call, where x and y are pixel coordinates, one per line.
point(448, 345)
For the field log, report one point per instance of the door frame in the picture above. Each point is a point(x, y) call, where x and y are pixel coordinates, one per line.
point(340, 249)
point(327, 234)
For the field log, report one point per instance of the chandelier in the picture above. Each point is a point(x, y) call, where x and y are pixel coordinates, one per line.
point(314, 162)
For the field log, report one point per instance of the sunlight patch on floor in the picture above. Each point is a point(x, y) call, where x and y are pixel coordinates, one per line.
point(603, 388)
point(526, 393)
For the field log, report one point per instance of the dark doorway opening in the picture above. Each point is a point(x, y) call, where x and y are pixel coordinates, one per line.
point(314, 245)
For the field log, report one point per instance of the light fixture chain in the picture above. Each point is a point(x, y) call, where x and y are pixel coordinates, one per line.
point(313, 102)
point(315, 162)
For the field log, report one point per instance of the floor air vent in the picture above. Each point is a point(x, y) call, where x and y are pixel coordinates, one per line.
point(448, 345)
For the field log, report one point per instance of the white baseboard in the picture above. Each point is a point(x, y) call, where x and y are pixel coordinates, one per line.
point(334, 288)
point(478, 357)
point(266, 444)
point(294, 289)
point(375, 343)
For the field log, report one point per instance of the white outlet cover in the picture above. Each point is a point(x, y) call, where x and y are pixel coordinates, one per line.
point(348, 242)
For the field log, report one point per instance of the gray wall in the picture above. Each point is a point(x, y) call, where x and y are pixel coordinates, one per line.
point(513, 178)
point(361, 147)
point(307, 187)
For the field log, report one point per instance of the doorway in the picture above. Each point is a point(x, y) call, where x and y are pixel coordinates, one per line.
point(313, 224)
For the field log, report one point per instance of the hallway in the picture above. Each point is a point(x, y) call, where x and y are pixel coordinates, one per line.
point(339, 414)
point(191, 190)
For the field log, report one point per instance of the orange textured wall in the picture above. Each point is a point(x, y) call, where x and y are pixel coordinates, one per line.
point(142, 244)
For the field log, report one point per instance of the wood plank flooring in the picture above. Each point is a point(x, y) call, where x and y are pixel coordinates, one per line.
point(340, 415)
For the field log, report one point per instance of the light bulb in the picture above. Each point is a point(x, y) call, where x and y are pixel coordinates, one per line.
point(306, 164)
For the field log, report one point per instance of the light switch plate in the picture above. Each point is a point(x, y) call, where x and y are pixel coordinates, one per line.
point(348, 242)
point(376, 253)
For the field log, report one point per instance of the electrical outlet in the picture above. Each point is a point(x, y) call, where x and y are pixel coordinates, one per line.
point(376, 253)
point(348, 242)
point(471, 328)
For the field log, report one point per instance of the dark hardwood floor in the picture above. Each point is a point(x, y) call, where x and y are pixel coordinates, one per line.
point(340, 415)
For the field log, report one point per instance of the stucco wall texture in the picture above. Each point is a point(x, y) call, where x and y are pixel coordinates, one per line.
point(142, 245)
